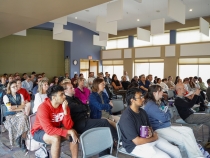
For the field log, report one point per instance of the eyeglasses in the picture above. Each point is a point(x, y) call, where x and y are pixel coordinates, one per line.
point(141, 97)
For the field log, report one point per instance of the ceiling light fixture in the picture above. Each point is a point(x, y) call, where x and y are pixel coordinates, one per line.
point(75, 17)
point(190, 10)
point(138, 20)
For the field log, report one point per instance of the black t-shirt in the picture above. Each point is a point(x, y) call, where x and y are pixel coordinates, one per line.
point(130, 123)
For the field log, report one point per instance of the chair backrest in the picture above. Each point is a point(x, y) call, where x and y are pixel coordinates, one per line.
point(119, 134)
point(95, 140)
point(170, 94)
point(117, 105)
point(32, 119)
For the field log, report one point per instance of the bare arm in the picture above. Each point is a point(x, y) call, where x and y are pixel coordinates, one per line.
point(140, 141)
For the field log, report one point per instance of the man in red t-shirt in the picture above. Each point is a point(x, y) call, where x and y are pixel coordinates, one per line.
point(53, 122)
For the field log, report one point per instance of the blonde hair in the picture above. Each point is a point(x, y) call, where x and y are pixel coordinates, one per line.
point(66, 80)
point(40, 84)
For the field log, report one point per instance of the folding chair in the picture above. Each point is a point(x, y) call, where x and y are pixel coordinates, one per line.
point(96, 140)
point(119, 146)
point(118, 106)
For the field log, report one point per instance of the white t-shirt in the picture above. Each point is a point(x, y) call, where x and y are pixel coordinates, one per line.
point(6, 99)
point(39, 98)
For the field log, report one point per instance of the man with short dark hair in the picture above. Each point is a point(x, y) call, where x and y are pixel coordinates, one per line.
point(131, 120)
point(51, 115)
point(28, 84)
point(107, 79)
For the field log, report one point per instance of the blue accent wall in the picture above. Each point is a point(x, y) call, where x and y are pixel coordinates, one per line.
point(172, 36)
point(81, 47)
point(130, 41)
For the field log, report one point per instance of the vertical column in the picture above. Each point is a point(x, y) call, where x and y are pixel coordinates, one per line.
point(130, 41)
point(172, 36)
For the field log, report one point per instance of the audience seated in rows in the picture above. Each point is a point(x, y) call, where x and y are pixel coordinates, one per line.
point(41, 95)
point(99, 103)
point(184, 106)
point(16, 121)
point(82, 92)
point(51, 115)
point(159, 117)
point(26, 97)
point(130, 122)
point(117, 87)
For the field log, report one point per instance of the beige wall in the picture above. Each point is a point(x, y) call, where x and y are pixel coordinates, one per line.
point(35, 52)
point(170, 63)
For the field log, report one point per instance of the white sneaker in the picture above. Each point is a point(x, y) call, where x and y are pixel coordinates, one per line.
point(3, 129)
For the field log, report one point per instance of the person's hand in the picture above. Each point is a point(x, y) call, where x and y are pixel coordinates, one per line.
point(110, 103)
point(149, 133)
point(197, 91)
point(64, 106)
point(155, 135)
point(73, 134)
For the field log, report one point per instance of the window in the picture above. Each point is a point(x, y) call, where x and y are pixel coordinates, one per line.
point(118, 43)
point(190, 67)
point(161, 39)
point(156, 69)
point(113, 67)
point(190, 36)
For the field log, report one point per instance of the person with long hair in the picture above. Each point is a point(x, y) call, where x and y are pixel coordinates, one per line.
point(41, 95)
point(81, 92)
point(16, 121)
point(117, 87)
point(99, 103)
point(176, 80)
point(160, 116)
point(55, 81)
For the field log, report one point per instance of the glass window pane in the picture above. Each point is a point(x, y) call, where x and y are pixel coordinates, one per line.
point(118, 70)
point(122, 43)
point(161, 39)
point(112, 44)
point(141, 68)
point(188, 36)
point(157, 69)
point(139, 43)
point(203, 69)
point(108, 69)
point(188, 71)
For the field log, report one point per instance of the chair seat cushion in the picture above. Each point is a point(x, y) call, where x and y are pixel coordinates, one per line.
point(122, 150)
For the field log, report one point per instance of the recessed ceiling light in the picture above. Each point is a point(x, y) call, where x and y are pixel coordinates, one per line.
point(75, 17)
point(138, 20)
point(190, 10)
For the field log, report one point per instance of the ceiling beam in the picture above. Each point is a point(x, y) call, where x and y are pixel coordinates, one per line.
point(19, 15)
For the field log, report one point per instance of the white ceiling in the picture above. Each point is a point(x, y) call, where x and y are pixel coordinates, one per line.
point(145, 11)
